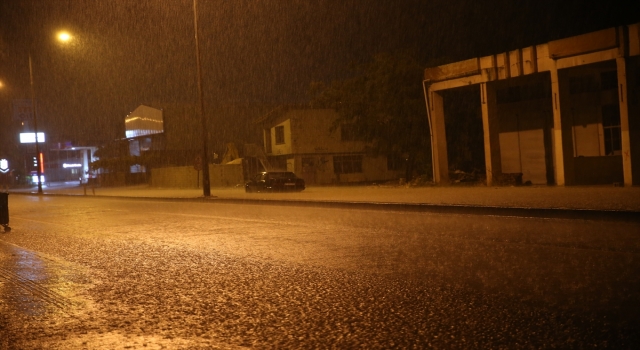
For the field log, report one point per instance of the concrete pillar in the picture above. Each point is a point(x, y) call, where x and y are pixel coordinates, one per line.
point(439, 139)
point(623, 101)
point(633, 108)
point(562, 139)
point(490, 126)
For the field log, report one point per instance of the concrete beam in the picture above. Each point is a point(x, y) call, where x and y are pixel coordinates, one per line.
point(488, 68)
point(502, 64)
point(603, 45)
point(589, 58)
point(456, 83)
point(585, 43)
point(453, 70)
point(516, 68)
point(529, 60)
point(544, 62)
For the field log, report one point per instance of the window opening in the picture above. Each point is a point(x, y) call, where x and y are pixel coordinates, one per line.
point(583, 84)
point(279, 135)
point(609, 80)
point(611, 128)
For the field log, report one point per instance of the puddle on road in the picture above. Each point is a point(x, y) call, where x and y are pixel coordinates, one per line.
point(118, 340)
point(20, 273)
point(31, 285)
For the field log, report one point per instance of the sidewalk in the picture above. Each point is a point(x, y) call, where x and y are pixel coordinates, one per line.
point(603, 198)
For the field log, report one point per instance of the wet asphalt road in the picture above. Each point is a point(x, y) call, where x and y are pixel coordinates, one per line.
point(113, 273)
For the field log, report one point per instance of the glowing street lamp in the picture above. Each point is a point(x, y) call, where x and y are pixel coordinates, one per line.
point(62, 37)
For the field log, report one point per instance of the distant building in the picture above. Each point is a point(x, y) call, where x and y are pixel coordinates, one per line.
point(565, 112)
point(167, 133)
point(300, 140)
point(144, 129)
point(67, 162)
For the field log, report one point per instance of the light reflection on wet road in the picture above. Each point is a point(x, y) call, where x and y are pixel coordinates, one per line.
point(144, 274)
point(20, 270)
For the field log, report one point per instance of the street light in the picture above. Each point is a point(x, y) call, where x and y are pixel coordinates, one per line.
point(206, 186)
point(63, 37)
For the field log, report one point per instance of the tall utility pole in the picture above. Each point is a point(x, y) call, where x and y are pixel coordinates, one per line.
point(35, 126)
point(206, 186)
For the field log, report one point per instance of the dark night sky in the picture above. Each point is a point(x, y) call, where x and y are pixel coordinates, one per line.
point(254, 53)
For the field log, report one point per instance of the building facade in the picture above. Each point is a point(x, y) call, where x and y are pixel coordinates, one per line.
point(301, 141)
point(565, 112)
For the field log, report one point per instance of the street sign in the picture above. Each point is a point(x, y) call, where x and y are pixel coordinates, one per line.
point(22, 110)
point(197, 164)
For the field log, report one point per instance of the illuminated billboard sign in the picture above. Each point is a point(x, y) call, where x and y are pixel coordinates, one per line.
point(142, 121)
point(30, 137)
point(4, 166)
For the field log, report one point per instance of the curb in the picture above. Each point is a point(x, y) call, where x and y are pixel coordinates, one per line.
point(521, 212)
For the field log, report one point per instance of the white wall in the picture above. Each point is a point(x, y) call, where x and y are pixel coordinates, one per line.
point(283, 148)
point(220, 175)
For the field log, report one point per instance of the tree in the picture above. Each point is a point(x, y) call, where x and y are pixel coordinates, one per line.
point(113, 159)
point(383, 101)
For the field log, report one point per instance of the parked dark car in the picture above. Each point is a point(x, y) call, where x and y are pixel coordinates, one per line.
point(274, 181)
